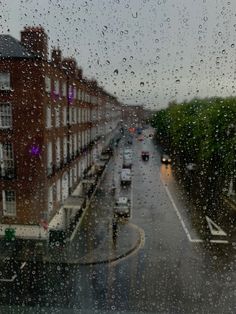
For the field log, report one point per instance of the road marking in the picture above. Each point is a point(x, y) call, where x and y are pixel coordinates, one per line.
point(22, 265)
point(214, 228)
point(8, 280)
point(219, 241)
point(180, 218)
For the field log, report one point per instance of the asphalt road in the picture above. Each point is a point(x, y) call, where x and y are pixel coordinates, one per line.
point(186, 265)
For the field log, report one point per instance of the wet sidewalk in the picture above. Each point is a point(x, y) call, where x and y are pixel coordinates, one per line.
point(98, 240)
point(111, 248)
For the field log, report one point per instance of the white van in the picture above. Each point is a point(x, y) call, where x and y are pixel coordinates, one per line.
point(125, 176)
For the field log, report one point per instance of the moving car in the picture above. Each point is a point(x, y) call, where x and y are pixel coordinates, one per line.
point(165, 159)
point(145, 155)
point(122, 207)
point(125, 176)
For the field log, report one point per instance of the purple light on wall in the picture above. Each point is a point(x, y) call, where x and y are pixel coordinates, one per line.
point(35, 150)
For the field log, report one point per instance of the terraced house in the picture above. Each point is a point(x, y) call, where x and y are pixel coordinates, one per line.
point(54, 125)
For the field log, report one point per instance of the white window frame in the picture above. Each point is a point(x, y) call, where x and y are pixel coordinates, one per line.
point(5, 115)
point(9, 206)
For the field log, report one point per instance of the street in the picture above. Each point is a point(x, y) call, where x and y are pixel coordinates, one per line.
point(184, 264)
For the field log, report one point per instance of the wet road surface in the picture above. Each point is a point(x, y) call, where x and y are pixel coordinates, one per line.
point(186, 265)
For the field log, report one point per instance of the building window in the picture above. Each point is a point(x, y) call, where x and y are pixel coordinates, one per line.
point(65, 149)
point(6, 160)
point(75, 92)
point(47, 84)
point(5, 116)
point(64, 116)
point(56, 87)
point(64, 89)
point(58, 190)
point(70, 115)
point(49, 158)
point(57, 116)
point(58, 152)
point(5, 83)
point(78, 94)
point(50, 199)
point(9, 203)
point(48, 117)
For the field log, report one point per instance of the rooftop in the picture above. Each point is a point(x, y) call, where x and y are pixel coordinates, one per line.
point(12, 48)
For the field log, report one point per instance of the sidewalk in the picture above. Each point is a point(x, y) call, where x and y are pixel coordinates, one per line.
point(95, 241)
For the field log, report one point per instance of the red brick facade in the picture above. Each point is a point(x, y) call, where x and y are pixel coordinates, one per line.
point(57, 116)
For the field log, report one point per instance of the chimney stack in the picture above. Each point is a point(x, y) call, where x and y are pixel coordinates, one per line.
point(35, 40)
point(56, 57)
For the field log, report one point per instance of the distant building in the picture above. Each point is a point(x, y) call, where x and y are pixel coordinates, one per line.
point(53, 126)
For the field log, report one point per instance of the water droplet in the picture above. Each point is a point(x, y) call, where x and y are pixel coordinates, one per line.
point(116, 71)
point(232, 45)
point(141, 84)
point(177, 81)
point(135, 15)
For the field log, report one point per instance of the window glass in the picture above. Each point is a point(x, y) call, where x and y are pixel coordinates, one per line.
point(9, 203)
point(5, 83)
point(5, 115)
point(47, 84)
point(48, 117)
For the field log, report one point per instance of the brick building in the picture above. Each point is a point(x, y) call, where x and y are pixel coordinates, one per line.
point(54, 124)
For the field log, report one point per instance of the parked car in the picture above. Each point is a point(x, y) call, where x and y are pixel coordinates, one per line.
point(128, 152)
point(145, 155)
point(127, 162)
point(125, 176)
point(165, 159)
point(122, 207)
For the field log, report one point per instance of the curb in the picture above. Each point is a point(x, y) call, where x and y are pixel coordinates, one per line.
point(137, 245)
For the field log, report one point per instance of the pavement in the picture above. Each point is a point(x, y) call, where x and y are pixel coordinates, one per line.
point(98, 240)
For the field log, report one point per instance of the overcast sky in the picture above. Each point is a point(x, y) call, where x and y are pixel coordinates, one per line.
point(145, 52)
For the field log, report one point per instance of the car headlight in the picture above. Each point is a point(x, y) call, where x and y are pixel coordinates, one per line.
point(163, 159)
point(169, 160)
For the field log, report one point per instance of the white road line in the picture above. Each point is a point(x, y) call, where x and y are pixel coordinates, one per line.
point(8, 280)
point(219, 231)
point(219, 241)
point(22, 265)
point(178, 213)
point(214, 228)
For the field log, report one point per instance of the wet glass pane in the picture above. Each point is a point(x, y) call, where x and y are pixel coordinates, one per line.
point(117, 156)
